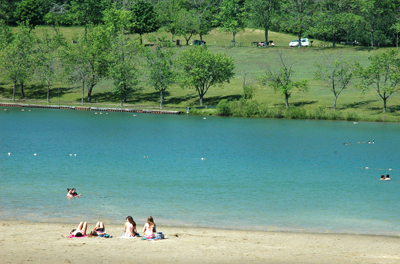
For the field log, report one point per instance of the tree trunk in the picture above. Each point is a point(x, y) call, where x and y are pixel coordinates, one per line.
point(22, 90)
point(333, 41)
point(299, 35)
point(48, 92)
point(14, 86)
point(89, 94)
point(287, 100)
point(384, 104)
point(372, 38)
point(83, 91)
point(334, 104)
point(233, 40)
point(201, 100)
point(161, 98)
point(266, 36)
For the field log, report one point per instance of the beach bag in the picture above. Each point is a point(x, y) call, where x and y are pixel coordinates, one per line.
point(159, 235)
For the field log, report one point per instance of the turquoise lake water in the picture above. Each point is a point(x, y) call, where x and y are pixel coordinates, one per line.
point(236, 173)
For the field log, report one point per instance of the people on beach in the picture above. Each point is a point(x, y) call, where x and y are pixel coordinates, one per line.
point(149, 228)
point(80, 230)
point(72, 193)
point(387, 178)
point(382, 177)
point(130, 227)
point(99, 228)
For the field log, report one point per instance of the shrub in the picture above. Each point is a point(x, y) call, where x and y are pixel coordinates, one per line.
point(319, 113)
point(252, 108)
point(296, 113)
point(224, 108)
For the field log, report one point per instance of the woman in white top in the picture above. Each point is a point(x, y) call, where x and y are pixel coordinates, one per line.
point(149, 228)
point(130, 227)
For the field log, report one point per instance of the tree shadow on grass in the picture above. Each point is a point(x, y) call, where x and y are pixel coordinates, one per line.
point(295, 104)
point(214, 100)
point(40, 92)
point(178, 100)
point(303, 103)
point(358, 104)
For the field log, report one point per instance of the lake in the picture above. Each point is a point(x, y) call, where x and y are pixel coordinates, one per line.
point(234, 173)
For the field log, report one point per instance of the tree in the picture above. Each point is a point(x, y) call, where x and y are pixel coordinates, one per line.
point(333, 17)
point(85, 60)
point(203, 13)
point(201, 69)
point(261, 13)
point(46, 56)
point(87, 12)
point(6, 37)
point(29, 13)
point(282, 79)
point(122, 56)
point(337, 73)
point(186, 24)
point(18, 59)
point(298, 14)
point(371, 11)
point(57, 15)
point(231, 16)
point(143, 19)
point(383, 74)
point(161, 67)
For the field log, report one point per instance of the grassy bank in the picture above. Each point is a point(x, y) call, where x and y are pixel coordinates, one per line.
point(249, 59)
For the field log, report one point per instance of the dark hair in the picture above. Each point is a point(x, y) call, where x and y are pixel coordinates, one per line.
point(93, 234)
point(130, 219)
point(383, 176)
point(78, 234)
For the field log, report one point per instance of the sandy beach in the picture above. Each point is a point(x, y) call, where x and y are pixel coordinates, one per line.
point(26, 242)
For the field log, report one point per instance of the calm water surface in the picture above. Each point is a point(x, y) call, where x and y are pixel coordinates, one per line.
point(260, 174)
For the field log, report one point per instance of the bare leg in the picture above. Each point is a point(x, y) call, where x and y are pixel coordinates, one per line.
point(97, 226)
point(84, 228)
point(80, 226)
point(102, 225)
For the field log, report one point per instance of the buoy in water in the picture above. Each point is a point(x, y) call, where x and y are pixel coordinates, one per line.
point(366, 168)
point(34, 154)
point(9, 153)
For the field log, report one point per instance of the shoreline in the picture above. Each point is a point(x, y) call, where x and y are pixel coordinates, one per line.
point(24, 241)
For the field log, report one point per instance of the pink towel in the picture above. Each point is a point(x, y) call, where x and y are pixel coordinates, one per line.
point(72, 236)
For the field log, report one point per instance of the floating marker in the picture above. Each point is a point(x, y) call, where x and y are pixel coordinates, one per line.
point(101, 113)
point(70, 155)
point(366, 168)
point(204, 118)
point(75, 155)
point(203, 158)
point(390, 169)
point(34, 154)
point(9, 153)
point(23, 110)
point(95, 113)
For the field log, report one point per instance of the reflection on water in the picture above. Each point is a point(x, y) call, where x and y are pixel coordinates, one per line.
point(185, 170)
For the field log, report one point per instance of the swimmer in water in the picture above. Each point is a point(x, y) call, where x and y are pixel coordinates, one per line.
point(72, 193)
point(387, 178)
point(382, 177)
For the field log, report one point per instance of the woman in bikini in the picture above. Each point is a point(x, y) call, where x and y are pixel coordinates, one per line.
point(130, 227)
point(99, 228)
point(149, 229)
point(72, 193)
point(80, 231)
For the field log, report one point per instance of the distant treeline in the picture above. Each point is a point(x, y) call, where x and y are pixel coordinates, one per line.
point(369, 22)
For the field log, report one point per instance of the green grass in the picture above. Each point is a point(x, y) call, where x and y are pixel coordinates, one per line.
point(249, 59)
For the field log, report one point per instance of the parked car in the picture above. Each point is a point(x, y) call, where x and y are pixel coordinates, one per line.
point(295, 43)
point(199, 42)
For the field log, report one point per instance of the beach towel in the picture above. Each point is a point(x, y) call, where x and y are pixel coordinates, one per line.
point(72, 236)
point(126, 237)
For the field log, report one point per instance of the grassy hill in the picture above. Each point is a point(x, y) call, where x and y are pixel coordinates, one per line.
point(248, 59)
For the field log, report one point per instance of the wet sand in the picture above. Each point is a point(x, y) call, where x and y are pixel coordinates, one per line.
point(26, 242)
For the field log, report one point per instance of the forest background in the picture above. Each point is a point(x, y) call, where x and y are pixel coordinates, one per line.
point(138, 54)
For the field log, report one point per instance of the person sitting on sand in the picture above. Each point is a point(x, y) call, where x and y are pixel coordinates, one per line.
point(80, 231)
point(387, 178)
point(130, 227)
point(72, 193)
point(382, 177)
point(149, 228)
point(99, 228)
